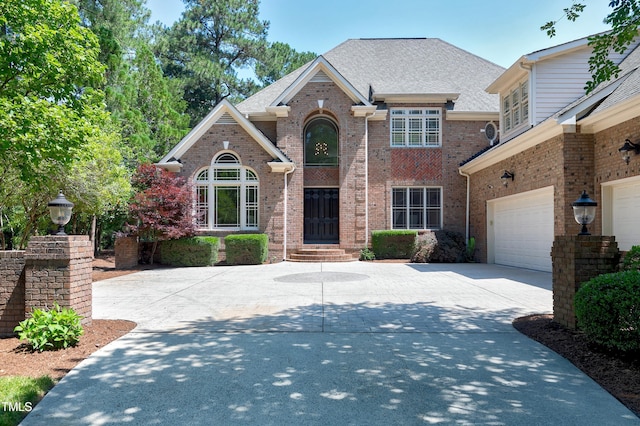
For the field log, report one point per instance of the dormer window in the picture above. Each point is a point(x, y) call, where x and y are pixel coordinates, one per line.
point(515, 107)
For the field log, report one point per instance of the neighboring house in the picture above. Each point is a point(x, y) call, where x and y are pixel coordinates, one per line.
point(556, 141)
point(368, 136)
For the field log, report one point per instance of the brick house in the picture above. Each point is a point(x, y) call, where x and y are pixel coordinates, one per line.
point(368, 136)
point(555, 142)
point(402, 134)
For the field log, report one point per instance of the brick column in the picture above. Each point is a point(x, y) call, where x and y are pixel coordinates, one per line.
point(126, 252)
point(576, 259)
point(58, 269)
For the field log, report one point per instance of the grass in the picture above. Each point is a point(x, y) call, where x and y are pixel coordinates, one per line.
point(18, 396)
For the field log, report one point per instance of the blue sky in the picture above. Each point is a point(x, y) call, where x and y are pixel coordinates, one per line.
point(498, 30)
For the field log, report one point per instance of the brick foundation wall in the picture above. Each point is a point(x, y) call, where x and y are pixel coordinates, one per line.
point(58, 269)
point(577, 259)
point(11, 290)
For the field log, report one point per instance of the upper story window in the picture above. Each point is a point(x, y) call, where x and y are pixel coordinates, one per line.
point(226, 195)
point(321, 143)
point(515, 107)
point(416, 127)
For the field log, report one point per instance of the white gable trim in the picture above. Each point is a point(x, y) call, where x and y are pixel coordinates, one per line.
point(224, 107)
point(319, 65)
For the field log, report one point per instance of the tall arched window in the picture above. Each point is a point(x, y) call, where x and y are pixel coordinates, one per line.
point(321, 143)
point(226, 195)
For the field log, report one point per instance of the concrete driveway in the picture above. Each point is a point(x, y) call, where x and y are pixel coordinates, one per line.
point(328, 343)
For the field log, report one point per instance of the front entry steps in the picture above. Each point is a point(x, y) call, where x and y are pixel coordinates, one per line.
point(323, 255)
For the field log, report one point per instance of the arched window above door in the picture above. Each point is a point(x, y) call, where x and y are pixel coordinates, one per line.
point(321, 143)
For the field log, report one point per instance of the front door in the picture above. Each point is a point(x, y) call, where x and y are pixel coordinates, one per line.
point(321, 216)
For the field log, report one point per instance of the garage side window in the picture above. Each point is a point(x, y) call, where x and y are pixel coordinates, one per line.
point(227, 195)
point(416, 208)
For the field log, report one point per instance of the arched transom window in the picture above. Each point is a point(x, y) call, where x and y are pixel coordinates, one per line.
point(321, 143)
point(226, 195)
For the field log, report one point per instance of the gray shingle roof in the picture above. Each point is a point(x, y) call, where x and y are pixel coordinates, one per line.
point(402, 66)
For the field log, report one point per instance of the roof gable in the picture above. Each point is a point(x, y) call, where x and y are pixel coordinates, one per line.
point(223, 113)
point(319, 70)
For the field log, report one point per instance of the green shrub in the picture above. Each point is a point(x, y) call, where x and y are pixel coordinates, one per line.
point(192, 251)
point(631, 260)
point(440, 247)
point(608, 310)
point(246, 249)
point(51, 330)
point(394, 244)
point(366, 254)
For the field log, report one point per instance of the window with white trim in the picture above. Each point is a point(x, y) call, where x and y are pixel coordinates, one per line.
point(515, 106)
point(416, 127)
point(416, 208)
point(226, 195)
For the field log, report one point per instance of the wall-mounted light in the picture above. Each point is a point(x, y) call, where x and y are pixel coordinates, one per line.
point(584, 211)
point(60, 212)
point(627, 148)
point(506, 176)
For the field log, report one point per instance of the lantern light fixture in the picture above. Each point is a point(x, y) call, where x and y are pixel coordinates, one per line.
point(584, 211)
point(506, 176)
point(60, 211)
point(627, 148)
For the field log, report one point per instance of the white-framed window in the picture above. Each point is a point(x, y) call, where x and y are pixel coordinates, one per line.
point(416, 207)
point(226, 195)
point(515, 106)
point(416, 127)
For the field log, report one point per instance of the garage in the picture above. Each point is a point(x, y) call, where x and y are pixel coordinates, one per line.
point(520, 230)
point(621, 201)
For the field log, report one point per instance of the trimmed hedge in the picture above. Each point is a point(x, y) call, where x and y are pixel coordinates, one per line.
point(246, 249)
point(393, 244)
point(192, 251)
point(608, 310)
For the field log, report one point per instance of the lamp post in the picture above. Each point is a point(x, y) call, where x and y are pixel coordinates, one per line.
point(60, 210)
point(584, 211)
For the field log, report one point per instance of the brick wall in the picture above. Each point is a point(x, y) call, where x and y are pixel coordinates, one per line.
point(51, 269)
point(11, 290)
point(577, 259)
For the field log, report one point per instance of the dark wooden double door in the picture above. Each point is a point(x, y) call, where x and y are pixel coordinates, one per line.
point(321, 216)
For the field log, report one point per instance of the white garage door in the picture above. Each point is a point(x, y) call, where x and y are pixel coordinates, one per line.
point(625, 203)
point(522, 228)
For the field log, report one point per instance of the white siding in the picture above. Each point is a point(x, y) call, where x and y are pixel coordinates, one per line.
point(558, 82)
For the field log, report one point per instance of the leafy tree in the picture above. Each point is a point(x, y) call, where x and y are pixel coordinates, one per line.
point(48, 63)
point(207, 47)
point(147, 106)
point(162, 206)
point(624, 20)
point(279, 60)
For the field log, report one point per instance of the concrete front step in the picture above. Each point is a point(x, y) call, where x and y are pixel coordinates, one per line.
point(322, 255)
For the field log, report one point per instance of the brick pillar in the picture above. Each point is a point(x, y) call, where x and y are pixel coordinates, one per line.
point(576, 259)
point(58, 269)
point(126, 252)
